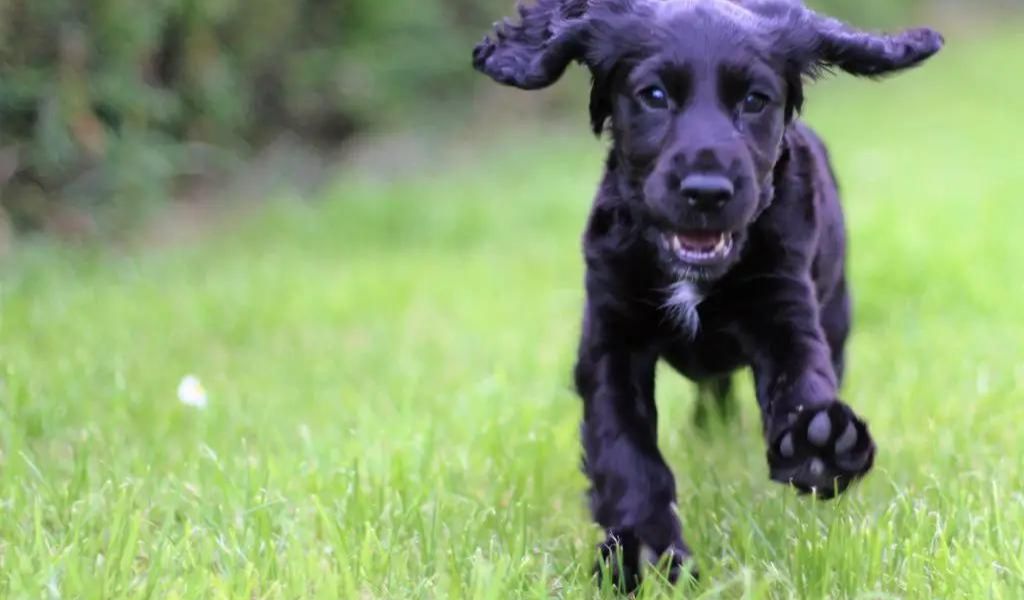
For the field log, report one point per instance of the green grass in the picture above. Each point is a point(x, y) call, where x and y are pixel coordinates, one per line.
point(389, 376)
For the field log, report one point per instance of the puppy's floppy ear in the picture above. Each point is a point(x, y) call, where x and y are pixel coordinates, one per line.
point(534, 53)
point(830, 43)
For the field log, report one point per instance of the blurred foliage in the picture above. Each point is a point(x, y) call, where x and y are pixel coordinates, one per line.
point(105, 104)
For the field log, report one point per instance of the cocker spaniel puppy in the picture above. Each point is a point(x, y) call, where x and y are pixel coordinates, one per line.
point(716, 240)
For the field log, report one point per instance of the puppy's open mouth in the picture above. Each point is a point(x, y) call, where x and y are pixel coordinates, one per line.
point(700, 248)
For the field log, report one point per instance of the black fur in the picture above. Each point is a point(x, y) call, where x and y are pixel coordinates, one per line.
point(702, 97)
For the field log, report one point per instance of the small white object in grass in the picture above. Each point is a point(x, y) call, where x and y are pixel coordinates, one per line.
point(191, 392)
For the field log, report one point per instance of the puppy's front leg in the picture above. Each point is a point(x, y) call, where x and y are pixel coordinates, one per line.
point(633, 491)
point(815, 442)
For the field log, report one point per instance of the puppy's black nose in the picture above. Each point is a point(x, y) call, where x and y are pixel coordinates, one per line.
point(706, 192)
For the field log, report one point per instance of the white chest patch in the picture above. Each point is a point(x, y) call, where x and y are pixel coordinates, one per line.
point(683, 300)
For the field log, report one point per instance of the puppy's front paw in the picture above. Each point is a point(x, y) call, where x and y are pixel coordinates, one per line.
point(821, 451)
point(624, 556)
point(618, 561)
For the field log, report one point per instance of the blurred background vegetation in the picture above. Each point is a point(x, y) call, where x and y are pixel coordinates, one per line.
point(109, 108)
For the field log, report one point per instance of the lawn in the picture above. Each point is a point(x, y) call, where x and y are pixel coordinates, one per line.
point(388, 371)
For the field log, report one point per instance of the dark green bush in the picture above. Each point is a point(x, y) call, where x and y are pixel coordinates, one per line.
point(105, 103)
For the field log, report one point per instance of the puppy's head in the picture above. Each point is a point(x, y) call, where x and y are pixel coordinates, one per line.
point(698, 93)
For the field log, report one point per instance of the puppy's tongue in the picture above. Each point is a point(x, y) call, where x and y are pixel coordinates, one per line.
point(700, 240)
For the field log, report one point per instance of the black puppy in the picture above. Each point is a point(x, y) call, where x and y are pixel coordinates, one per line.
point(716, 240)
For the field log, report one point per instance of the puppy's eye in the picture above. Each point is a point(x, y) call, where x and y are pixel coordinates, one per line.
point(653, 97)
point(754, 103)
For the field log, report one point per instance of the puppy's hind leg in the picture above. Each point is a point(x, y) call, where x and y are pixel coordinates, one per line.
point(715, 402)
